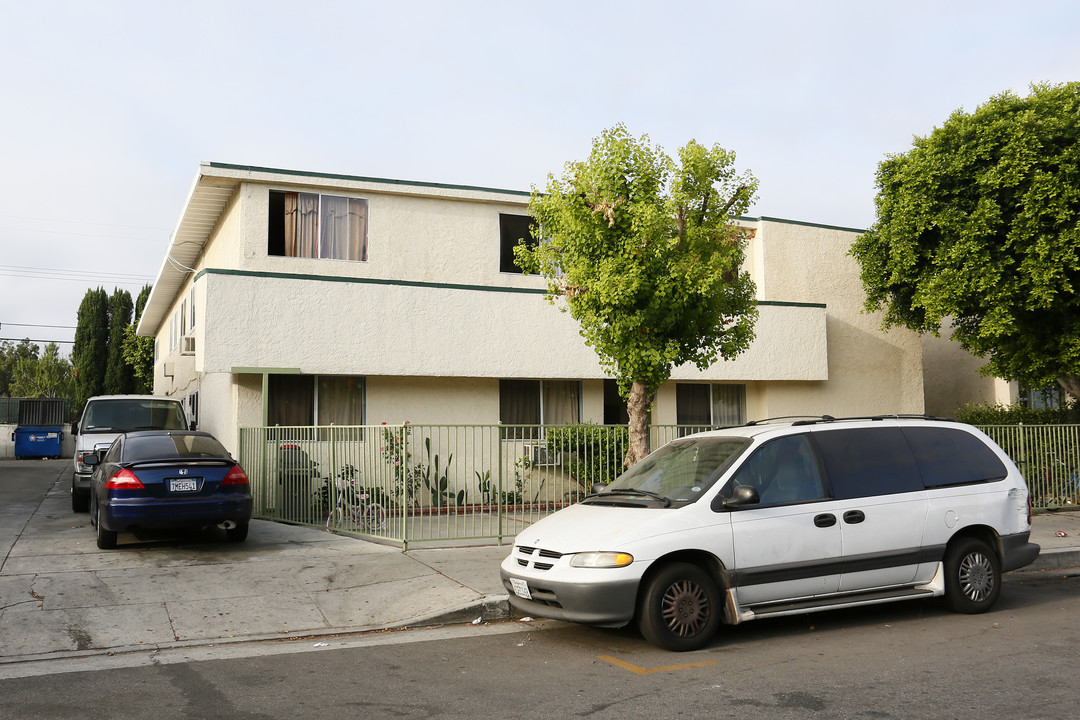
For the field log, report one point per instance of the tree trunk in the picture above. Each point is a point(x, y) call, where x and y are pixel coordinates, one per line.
point(1071, 384)
point(638, 408)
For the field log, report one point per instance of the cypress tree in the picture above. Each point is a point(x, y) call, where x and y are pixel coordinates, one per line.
point(119, 379)
point(90, 352)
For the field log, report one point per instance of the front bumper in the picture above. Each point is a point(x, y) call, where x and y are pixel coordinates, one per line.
point(608, 604)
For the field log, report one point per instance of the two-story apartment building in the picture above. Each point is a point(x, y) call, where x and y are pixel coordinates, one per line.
point(295, 298)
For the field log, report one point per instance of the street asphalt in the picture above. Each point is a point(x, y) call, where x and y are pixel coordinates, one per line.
point(62, 597)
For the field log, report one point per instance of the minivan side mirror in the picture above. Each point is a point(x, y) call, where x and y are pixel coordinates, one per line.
point(91, 459)
point(75, 428)
point(597, 487)
point(740, 496)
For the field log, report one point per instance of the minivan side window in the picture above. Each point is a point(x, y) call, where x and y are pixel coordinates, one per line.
point(782, 471)
point(863, 462)
point(953, 457)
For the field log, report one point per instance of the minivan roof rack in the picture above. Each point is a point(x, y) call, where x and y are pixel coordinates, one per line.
point(804, 419)
point(815, 419)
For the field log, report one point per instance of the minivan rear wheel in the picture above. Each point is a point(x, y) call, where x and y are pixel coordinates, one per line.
point(680, 608)
point(972, 576)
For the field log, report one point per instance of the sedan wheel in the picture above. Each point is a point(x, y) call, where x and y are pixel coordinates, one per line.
point(106, 539)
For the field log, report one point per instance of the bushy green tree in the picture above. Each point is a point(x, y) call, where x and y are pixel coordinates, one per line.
point(979, 225)
point(644, 254)
point(10, 356)
point(49, 376)
point(90, 352)
point(139, 351)
point(119, 379)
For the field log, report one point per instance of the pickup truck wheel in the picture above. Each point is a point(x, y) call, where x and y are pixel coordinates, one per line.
point(80, 502)
point(680, 608)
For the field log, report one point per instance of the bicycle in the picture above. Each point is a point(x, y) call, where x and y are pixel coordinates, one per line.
point(353, 505)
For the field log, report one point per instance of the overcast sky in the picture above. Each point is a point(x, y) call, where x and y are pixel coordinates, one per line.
point(108, 107)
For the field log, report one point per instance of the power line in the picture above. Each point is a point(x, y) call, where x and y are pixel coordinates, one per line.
point(62, 327)
point(65, 271)
point(58, 342)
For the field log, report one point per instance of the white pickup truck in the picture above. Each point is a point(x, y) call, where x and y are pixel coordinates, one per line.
point(105, 417)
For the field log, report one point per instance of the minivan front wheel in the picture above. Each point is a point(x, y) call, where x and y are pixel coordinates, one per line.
point(972, 576)
point(680, 608)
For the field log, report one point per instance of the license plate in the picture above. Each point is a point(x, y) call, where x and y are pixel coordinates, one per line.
point(521, 588)
point(183, 485)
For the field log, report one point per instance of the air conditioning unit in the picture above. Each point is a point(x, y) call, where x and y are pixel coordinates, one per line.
point(541, 456)
point(187, 345)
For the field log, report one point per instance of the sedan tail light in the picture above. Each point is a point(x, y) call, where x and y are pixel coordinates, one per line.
point(124, 479)
point(236, 476)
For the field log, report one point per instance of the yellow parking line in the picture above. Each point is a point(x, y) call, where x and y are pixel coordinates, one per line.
point(645, 671)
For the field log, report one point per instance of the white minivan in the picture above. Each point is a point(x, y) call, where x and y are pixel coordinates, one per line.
point(105, 417)
point(773, 519)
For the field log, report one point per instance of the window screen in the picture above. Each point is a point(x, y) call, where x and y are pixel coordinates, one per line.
point(862, 462)
point(953, 457)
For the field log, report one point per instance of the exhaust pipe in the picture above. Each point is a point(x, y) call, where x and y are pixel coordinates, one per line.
point(227, 525)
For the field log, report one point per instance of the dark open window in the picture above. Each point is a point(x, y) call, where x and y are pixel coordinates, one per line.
point(512, 230)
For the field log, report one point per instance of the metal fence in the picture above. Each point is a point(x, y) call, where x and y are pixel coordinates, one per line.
point(1048, 456)
point(437, 483)
point(418, 483)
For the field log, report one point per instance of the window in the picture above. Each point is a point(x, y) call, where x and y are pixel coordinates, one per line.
point(191, 309)
point(952, 457)
point(193, 408)
point(784, 470)
point(310, 225)
point(1050, 397)
point(868, 461)
point(300, 400)
point(512, 230)
point(699, 406)
point(536, 402)
point(614, 406)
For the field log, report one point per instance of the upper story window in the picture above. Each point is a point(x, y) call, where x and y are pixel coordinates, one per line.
point(310, 225)
point(512, 230)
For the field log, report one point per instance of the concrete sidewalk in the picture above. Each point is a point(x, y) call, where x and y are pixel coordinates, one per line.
point(62, 597)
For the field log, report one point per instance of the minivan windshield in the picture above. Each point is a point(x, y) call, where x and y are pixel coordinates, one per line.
point(678, 473)
point(126, 414)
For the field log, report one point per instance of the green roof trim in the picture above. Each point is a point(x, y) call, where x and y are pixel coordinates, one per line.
point(419, 284)
point(361, 178)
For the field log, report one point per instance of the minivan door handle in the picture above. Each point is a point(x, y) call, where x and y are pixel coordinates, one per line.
point(853, 517)
point(825, 520)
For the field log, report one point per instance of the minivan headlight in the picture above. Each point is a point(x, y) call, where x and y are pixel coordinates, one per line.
point(601, 560)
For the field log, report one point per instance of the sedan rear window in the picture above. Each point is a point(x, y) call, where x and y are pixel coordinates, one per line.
point(171, 446)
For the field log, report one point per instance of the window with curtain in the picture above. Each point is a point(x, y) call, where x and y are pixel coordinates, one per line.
point(536, 402)
point(310, 225)
point(699, 406)
point(307, 400)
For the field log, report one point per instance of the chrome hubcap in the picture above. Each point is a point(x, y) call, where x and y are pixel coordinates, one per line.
point(976, 576)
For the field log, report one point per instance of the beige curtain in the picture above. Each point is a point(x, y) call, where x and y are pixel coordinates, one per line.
point(562, 402)
point(341, 400)
point(290, 224)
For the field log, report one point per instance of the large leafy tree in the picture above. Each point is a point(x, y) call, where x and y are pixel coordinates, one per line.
point(10, 356)
point(643, 251)
point(979, 225)
point(90, 352)
point(48, 376)
point(119, 379)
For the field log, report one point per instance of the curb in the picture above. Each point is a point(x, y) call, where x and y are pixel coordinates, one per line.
point(1054, 560)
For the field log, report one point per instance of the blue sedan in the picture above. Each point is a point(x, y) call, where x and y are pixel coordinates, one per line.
point(168, 479)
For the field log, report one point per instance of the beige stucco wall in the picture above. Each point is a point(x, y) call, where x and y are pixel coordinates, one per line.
point(952, 380)
point(869, 371)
